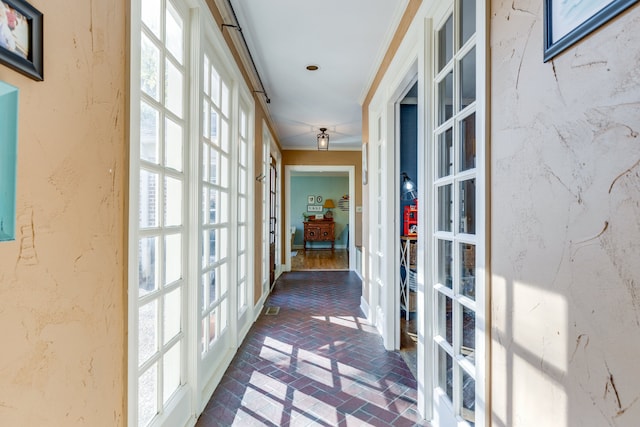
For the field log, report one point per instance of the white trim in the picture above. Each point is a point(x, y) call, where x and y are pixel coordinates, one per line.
point(483, 292)
point(279, 209)
point(135, 29)
point(206, 391)
point(375, 133)
point(383, 105)
point(364, 307)
point(404, 86)
point(383, 48)
point(257, 310)
point(193, 236)
point(425, 228)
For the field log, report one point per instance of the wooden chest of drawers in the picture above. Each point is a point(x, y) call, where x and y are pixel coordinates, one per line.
point(319, 231)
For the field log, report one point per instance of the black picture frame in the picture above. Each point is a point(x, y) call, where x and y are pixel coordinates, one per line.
point(24, 56)
point(554, 45)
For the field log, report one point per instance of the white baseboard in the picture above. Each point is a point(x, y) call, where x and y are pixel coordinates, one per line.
point(257, 309)
point(215, 379)
point(364, 306)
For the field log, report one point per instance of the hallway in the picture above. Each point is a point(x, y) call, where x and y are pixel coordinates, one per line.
point(317, 362)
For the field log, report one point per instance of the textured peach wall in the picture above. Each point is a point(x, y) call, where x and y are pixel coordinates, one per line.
point(565, 251)
point(62, 288)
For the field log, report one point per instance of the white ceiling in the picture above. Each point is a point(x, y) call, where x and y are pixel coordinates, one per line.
point(345, 38)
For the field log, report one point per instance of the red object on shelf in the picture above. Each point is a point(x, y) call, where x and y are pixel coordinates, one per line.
point(411, 220)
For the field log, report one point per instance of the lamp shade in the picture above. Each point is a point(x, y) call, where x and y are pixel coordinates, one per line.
point(328, 204)
point(323, 140)
point(409, 190)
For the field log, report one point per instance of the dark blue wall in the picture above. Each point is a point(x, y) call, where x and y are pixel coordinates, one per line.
point(408, 149)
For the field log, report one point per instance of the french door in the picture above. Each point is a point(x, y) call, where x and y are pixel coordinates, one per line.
point(244, 256)
point(271, 211)
point(222, 242)
point(214, 292)
point(273, 219)
point(190, 220)
point(158, 253)
point(458, 291)
point(381, 233)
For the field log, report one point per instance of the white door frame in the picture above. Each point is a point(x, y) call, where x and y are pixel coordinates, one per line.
point(407, 83)
point(275, 152)
point(402, 71)
point(408, 63)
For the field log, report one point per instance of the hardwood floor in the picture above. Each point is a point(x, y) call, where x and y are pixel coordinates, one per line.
point(320, 259)
point(408, 342)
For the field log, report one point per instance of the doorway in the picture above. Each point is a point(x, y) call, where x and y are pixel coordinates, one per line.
point(407, 137)
point(318, 200)
point(273, 218)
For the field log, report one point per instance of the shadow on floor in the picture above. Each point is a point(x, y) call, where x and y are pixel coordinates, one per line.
point(317, 362)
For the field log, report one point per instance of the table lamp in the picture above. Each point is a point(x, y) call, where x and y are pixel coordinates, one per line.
point(328, 204)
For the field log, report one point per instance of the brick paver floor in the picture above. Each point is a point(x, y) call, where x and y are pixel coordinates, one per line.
point(316, 363)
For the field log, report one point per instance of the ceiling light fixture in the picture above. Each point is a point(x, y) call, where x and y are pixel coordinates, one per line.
point(312, 67)
point(323, 140)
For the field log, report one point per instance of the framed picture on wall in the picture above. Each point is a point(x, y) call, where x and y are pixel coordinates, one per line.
point(567, 21)
point(311, 200)
point(314, 208)
point(21, 38)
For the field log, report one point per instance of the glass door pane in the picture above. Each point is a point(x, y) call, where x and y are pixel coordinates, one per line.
point(455, 197)
point(214, 224)
point(242, 254)
point(160, 195)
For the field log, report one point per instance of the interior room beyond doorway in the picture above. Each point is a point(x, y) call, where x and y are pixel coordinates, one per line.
point(319, 214)
point(408, 214)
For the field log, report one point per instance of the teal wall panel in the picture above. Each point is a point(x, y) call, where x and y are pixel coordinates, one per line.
point(329, 187)
point(8, 159)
